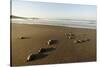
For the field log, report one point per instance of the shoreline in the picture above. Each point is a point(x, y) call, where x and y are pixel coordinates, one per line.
point(57, 25)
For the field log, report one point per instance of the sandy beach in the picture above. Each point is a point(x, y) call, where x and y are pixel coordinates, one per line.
point(66, 51)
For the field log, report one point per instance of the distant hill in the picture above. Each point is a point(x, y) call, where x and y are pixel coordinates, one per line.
point(18, 17)
point(12, 16)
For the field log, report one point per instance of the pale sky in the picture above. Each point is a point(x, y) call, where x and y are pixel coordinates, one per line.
point(53, 10)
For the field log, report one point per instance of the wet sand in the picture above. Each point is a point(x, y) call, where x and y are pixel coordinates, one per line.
point(66, 50)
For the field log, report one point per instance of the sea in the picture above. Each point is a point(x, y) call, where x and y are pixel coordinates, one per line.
point(90, 24)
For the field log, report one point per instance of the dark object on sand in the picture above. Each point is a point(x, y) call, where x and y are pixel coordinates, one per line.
point(81, 41)
point(43, 50)
point(35, 56)
point(23, 37)
point(50, 42)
